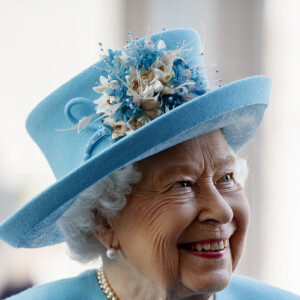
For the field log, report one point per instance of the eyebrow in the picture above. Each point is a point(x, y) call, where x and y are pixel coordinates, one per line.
point(189, 168)
point(175, 170)
point(228, 160)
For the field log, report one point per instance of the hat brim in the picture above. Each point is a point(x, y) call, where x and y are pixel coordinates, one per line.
point(237, 109)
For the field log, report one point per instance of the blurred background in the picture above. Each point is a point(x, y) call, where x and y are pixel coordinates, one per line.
point(45, 43)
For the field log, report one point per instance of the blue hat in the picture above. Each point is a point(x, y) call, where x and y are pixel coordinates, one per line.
point(152, 95)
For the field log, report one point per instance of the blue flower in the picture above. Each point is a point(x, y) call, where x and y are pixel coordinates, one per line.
point(142, 81)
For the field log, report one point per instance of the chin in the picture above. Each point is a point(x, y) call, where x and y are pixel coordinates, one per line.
point(205, 275)
point(214, 283)
point(206, 284)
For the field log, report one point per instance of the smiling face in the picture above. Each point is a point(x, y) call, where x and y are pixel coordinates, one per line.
point(187, 199)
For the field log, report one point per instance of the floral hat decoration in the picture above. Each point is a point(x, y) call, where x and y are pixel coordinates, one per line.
point(139, 83)
point(149, 95)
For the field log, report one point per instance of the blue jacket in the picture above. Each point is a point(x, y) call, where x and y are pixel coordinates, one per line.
point(85, 286)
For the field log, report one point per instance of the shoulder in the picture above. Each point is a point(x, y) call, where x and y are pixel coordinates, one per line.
point(84, 286)
point(245, 288)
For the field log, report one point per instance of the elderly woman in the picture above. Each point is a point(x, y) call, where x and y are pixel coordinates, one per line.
point(152, 183)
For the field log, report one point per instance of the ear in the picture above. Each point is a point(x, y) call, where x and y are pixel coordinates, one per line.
point(105, 232)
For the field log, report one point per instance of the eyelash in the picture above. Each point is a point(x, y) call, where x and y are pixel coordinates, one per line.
point(184, 183)
point(228, 178)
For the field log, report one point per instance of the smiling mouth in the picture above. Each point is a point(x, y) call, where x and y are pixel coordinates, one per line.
point(206, 246)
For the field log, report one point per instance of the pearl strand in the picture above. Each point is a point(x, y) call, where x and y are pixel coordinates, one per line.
point(105, 286)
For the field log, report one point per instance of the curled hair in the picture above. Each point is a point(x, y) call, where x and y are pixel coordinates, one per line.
point(105, 199)
point(241, 171)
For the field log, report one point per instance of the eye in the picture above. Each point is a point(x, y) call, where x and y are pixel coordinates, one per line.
point(226, 179)
point(181, 184)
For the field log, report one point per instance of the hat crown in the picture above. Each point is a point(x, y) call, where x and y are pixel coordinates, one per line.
point(66, 150)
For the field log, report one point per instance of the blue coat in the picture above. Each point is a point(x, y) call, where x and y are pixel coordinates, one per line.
point(85, 286)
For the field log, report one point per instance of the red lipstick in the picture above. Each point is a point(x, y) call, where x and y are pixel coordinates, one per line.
point(211, 248)
point(209, 255)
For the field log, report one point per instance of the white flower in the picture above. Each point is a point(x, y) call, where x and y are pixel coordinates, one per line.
point(148, 84)
point(105, 103)
point(137, 122)
point(121, 128)
point(104, 85)
point(161, 45)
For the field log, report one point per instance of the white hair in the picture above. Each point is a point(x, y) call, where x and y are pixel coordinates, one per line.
point(105, 199)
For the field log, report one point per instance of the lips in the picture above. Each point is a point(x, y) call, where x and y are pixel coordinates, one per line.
point(214, 248)
point(209, 245)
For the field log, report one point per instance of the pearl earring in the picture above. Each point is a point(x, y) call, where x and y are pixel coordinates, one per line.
point(111, 252)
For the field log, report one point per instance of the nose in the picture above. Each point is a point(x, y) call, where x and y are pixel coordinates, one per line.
point(213, 207)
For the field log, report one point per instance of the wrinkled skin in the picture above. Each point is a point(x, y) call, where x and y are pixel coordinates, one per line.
point(183, 196)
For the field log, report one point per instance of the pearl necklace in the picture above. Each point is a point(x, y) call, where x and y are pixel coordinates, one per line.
point(105, 286)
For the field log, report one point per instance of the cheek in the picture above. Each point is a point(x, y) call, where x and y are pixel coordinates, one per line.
point(241, 213)
point(148, 233)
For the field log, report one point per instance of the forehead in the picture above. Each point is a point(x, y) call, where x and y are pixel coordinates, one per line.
point(209, 149)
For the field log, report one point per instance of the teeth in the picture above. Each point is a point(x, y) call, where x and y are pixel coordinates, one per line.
point(214, 246)
point(199, 247)
point(206, 246)
point(221, 245)
point(209, 247)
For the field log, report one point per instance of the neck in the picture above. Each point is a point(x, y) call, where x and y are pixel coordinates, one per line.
point(127, 285)
point(133, 286)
